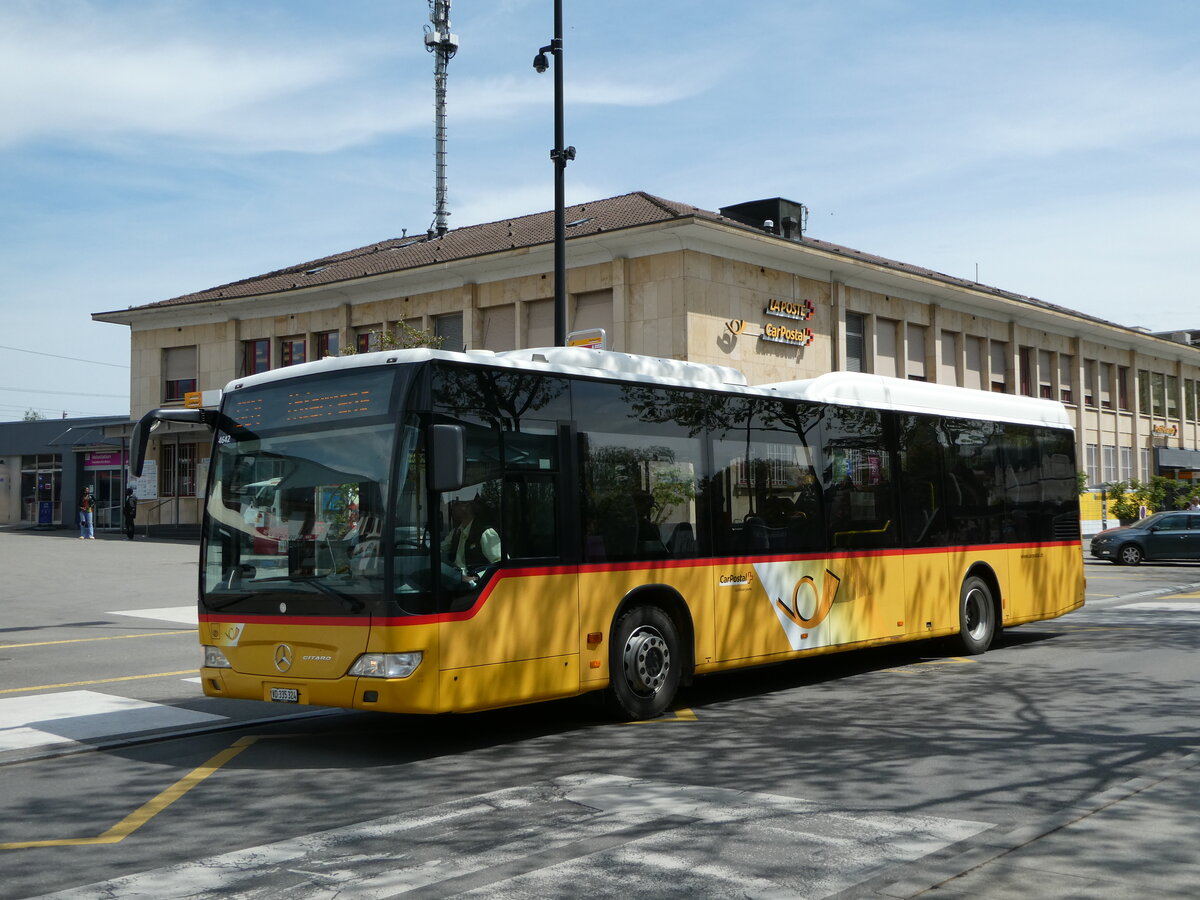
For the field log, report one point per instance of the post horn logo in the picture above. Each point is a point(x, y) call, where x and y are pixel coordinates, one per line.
point(823, 598)
point(736, 326)
point(283, 657)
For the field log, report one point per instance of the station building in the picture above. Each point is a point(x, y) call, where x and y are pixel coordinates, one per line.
point(744, 287)
point(45, 464)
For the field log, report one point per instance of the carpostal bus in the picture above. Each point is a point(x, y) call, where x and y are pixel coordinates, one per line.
point(450, 532)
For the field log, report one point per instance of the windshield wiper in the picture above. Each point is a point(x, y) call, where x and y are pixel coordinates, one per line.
point(227, 602)
point(351, 602)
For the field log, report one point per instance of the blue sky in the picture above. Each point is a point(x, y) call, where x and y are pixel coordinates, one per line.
point(151, 148)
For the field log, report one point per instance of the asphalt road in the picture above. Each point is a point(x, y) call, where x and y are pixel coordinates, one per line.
point(883, 773)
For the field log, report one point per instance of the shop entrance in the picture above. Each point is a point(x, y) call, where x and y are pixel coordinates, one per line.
point(102, 472)
point(107, 489)
point(41, 489)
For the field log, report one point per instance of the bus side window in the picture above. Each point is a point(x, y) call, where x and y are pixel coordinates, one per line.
point(922, 495)
point(530, 521)
point(859, 489)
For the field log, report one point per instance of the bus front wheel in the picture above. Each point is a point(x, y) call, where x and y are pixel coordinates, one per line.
point(644, 663)
point(976, 616)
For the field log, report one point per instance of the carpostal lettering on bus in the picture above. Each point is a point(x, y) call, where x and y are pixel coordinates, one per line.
point(741, 580)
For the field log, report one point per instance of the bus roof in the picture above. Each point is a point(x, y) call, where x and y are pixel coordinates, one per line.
point(881, 392)
point(845, 388)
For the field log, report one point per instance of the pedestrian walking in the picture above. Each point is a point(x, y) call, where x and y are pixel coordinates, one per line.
point(87, 509)
point(129, 511)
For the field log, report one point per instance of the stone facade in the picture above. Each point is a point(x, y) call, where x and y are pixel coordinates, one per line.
point(668, 280)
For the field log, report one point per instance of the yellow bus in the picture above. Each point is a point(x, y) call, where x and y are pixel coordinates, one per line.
point(450, 532)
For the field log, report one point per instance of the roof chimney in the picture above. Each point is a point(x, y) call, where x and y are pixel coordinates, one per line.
point(785, 218)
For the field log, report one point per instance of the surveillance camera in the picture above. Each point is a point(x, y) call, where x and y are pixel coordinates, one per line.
point(540, 63)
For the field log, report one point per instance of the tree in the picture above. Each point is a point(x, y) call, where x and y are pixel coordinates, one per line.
point(404, 337)
point(32, 415)
point(1126, 499)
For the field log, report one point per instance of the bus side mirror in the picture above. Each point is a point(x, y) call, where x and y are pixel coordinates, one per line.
point(147, 423)
point(447, 457)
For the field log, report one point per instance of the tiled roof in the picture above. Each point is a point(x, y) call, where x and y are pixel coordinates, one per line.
point(611, 214)
point(398, 254)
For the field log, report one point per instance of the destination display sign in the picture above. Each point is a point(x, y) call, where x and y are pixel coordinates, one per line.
point(358, 394)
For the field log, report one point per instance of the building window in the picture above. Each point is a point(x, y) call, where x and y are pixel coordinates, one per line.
point(999, 367)
point(855, 342)
point(179, 372)
point(186, 477)
point(1189, 399)
point(1106, 391)
point(885, 347)
point(1045, 375)
point(176, 470)
point(1089, 382)
point(916, 353)
point(973, 368)
point(1123, 388)
point(948, 358)
point(450, 329)
point(499, 327)
point(1026, 362)
point(1143, 388)
point(166, 469)
point(1093, 464)
point(368, 340)
point(1110, 464)
point(1158, 394)
point(593, 309)
point(1126, 463)
point(1172, 396)
point(1144, 460)
point(291, 351)
point(328, 344)
point(1065, 377)
point(256, 356)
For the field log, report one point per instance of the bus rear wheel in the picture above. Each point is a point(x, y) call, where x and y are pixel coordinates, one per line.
point(976, 616)
point(644, 663)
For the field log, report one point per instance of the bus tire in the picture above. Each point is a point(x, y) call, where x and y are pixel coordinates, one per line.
point(976, 616)
point(645, 663)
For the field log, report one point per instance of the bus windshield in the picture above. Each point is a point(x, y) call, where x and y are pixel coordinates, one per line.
point(296, 506)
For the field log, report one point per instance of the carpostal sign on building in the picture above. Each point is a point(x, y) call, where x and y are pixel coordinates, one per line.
point(795, 335)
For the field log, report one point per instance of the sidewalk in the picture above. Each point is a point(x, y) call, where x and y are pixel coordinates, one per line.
point(1135, 840)
point(64, 531)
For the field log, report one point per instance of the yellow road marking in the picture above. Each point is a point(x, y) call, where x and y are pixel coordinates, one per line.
point(148, 810)
point(68, 684)
point(112, 637)
point(947, 661)
point(681, 715)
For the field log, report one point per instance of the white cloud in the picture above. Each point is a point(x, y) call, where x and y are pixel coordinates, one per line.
point(107, 81)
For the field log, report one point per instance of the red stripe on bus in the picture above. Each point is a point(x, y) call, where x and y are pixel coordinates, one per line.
point(600, 568)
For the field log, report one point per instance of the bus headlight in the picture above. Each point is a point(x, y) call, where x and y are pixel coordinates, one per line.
point(215, 659)
point(386, 665)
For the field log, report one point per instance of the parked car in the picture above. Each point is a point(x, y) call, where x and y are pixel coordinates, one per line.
point(1164, 535)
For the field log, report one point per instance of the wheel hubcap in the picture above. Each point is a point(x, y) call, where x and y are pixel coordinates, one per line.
point(647, 660)
point(977, 611)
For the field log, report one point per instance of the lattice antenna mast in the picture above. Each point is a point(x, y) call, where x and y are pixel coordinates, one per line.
point(443, 45)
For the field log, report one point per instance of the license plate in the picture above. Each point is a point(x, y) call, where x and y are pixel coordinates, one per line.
point(285, 695)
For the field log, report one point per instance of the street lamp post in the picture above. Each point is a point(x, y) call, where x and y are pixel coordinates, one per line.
point(560, 156)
